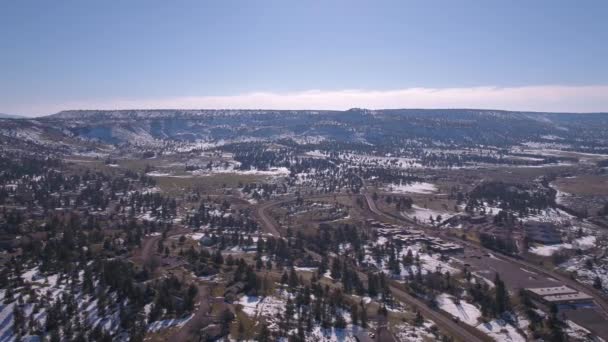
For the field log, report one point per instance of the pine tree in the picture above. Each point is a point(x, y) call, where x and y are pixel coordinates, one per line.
point(419, 320)
point(264, 334)
point(363, 316)
point(293, 279)
point(501, 295)
point(354, 314)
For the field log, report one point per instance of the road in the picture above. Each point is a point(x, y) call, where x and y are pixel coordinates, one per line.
point(150, 245)
point(201, 318)
point(597, 296)
point(268, 223)
point(461, 332)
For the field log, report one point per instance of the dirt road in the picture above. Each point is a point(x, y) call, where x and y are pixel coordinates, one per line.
point(201, 318)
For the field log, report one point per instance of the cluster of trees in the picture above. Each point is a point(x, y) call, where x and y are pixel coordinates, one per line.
point(79, 253)
point(311, 304)
point(511, 197)
point(506, 218)
point(334, 239)
point(221, 217)
point(259, 191)
point(158, 206)
point(494, 302)
point(17, 165)
point(604, 210)
point(48, 184)
point(91, 292)
point(502, 244)
point(172, 298)
point(401, 202)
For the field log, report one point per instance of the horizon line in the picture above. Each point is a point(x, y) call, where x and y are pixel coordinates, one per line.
point(537, 98)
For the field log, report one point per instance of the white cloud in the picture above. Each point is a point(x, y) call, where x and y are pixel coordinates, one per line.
point(552, 98)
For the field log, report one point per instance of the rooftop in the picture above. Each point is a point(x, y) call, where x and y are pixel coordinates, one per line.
point(550, 291)
point(566, 297)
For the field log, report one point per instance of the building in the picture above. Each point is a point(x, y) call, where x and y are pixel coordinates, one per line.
point(445, 247)
point(540, 292)
point(559, 295)
point(477, 219)
point(573, 298)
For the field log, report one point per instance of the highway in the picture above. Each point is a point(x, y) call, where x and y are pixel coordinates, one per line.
point(598, 297)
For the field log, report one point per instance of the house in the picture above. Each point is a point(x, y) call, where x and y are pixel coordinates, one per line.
point(232, 291)
point(477, 219)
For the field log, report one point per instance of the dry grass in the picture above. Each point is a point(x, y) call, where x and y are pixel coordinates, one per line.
point(584, 185)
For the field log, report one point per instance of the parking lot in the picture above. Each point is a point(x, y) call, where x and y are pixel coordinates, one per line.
point(515, 277)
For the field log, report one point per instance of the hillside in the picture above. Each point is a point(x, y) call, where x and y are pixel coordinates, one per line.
point(460, 127)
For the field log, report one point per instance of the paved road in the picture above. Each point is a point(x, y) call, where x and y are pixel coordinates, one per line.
point(268, 223)
point(597, 296)
point(459, 331)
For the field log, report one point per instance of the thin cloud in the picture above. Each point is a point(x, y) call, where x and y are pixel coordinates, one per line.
point(528, 98)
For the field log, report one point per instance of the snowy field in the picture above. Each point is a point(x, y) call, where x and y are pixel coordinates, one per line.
point(468, 313)
point(271, 172)
point(271, 308)
point(412, 188)
point(582, 243)
point(168, 323)
point(423, 215)
point(429, 262)
point(50, 288)
point(587, 273)
point(552, 215)
point(412, 333)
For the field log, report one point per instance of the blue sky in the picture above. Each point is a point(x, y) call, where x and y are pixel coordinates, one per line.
point(538, 55)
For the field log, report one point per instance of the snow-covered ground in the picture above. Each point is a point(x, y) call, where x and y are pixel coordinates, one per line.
point(560, 196)
point(52, 287)
point(583, 243)
point(157, 174)
point(411, 333)
point(500, 330)
point(429, 262)
point(316, 153)
point(415, 188)
point(552, 215)
point(272, 307)
point(584, 273)
point(574, 330)
point(468, 313)
point(424, 215)
point(168, 323)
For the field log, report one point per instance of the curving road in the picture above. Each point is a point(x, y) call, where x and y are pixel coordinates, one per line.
point(461, 332)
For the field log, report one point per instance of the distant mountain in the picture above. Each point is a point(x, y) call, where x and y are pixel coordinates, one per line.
point(10, 116)
point(452, 126)
point(377, 130)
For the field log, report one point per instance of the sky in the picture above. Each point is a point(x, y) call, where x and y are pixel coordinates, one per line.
point(518, 55)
